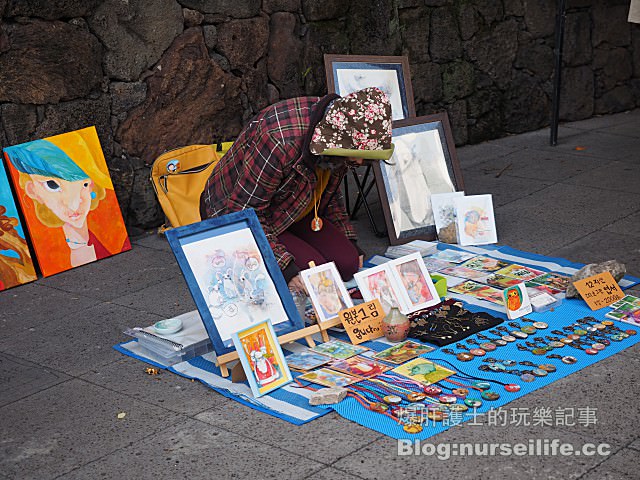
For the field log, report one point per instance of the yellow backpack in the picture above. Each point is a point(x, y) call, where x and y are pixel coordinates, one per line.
point(179, 176)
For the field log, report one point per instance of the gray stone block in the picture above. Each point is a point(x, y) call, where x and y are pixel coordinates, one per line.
point(21, 378)
point(79, 425)
point(194, 449)
point(153, 241)
point(622, 465)
point(331, 473)
point(626, 226)
point(619, 177)
point(78, 342)
point(324, 440)
point(165, 390)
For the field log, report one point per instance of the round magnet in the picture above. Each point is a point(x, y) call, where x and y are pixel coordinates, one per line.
point(569, 360)
point(607, 323)
point(416, 397)
point(573, 336)
point(432, 390)
point(482, 385)
point(473, 402)
point(490, 395)
point(539, 372)
point(412, 428)
point(548, 367)
point(460, 392)
point(392, 399)
point(519, 334)
point(458, 407)
point(598, 346)
point(487, 346)
point(539, 351)
point(631, 332)
point(379, 407)
point(527, 377)
point(508, 338)
point(600, 326)
point(540, 325)
point(447, 399)
point(464, 357)
point(591, 351)
point(478, 352)
point(512, 387)
point(529, 329)
point(499, 342)
point(580, 332)
point(556, 344)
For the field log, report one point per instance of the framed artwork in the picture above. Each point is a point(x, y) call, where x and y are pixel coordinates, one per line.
point(378, 282)
point(417, 289)
point(67, 199)
point(424, 163)
point(233, 277)
point(350, 73)
point(475, 220)
point(326, 290)
point(262, 358)
point(16, 264)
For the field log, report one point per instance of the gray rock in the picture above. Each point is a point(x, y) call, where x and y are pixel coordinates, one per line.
point(470, 21)
point(285, 52)
point(144, 210)
point(328, 396)
point(47, 62)
point(271, 6)
point(415, 34)
point(576, 93)
point(458, 120)
point(373, 31)
point(494, 52)
point(322, 37)
point(616, 268)
point(482, 101)
point(539, 16)
point(19, 122)
point(244, 42)
point(125, 96)
point(225, 8)
point(135, 36)
point(514, 8)
point(635, 48)
point(619, 99)
point(613, 67)
point(314, 11)
point(427, 82)
point(210, 36)
point(610, 25)
point(526, 105)
point(410, 3)
point(4, 40)
point(50, 10)
point(486, 127)
point(577, 48)
point(273, 95)
point(445, 44)
point(457, 80)
point(192, 18)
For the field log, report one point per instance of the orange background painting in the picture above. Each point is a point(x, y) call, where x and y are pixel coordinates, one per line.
point(105, 222)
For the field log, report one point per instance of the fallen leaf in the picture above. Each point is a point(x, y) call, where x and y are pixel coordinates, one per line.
point(121, 415)
point(579, 149)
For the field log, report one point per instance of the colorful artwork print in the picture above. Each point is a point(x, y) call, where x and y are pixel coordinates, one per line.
point(463, 272)
point(554, 280)
point(444, 214)
point(418, 290)
point(359, 367)
point(338, 349)
point(378, 283)
point(329, 378)
point(423, 371)
point(306, 360)
point(16, 265)
point(484, 264)
point(233, 279)
point(479, 291)
point(543, 288)
point(500, 281)
point(517, 301)
point(262, 358)
point(327, 291)
point(435, 265)
point(403, 352)
point(67, 199)
point(520, 272)
point(453, 256)
point(475, 220)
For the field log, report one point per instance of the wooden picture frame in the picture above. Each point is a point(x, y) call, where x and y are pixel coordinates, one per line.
point(424, 162)
point(233, 277)
point(349, 73)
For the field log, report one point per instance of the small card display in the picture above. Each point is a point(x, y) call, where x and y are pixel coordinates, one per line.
point(403, 352)
point(516, 299)
point(485, 264)
point(463, 272)
point(338, 349)
point(556, 281)
point(307, 360)
point(520, 272)
point(453, 256)
point(479, 291)
point(359, 367)
point(423, 371)
point(475, 220)
point(500, 281)
point(329, 378)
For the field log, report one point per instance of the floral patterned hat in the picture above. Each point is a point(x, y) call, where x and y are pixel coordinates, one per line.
point(357, 125)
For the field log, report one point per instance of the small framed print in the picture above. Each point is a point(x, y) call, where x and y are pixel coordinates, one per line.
point(350, 73)
point(262, 358)
point(417, 289)
point(326, 290)
point(233, 277)
point(378, 282)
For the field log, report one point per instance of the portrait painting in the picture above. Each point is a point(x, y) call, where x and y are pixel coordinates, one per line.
point(418, 289)
point(233, 276)
point(349, 73)
point(378, 282)
point(423, 163)
point(16, 264)
point(475, 220)
point(69, 205)
point(262, 359)
point(326, 290)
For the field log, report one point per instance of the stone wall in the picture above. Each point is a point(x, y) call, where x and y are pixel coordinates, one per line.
point(158, 75)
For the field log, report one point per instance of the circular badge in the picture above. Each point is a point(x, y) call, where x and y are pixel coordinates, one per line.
point(600, 326)
point(416, 397)
point(460, 392)
point(464, 357)
point(591, 351)
point(540, 325)
point(458, 407)
point(379, 407)
point(392, 399)
point(499, 342)
point(472, 402)
point(529, 329)
point(617, 337)
point(539, 372)
point(556, 344)
point(447, 399)
point(478, 352)
point(509, 363)
point(580, 332)
point(508, 338)
point(487, 346)
point(527, 377)
point(436, 416)
point(173, 166)
point(631, 332)
point(566, 340)
point(598, 346)
point(607, 323)
point(605, 342)
point(519, 334)
point(512, 387)
point(539, 351)
point(624, 335)
point(497, 367)
point(482, 385)
point(592, 329)
point(548, 367)
point(573, 336)
point(569, 360)
point(432, 390)
point(412, 428)
point(490, 395)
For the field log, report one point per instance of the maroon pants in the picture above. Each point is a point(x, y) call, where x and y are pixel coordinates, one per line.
point(327, 245)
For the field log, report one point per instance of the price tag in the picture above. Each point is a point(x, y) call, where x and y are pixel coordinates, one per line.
point(363, 322)
point(599, 291)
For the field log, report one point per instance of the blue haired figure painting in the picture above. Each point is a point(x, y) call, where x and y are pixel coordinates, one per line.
point(67, 199)
point(16, 265)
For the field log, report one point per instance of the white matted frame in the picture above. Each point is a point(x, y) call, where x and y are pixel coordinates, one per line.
point(417, 288)
point(327, 291)
point(380, 282)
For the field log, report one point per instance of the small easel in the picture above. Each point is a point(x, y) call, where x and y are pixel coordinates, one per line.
point(306, 333)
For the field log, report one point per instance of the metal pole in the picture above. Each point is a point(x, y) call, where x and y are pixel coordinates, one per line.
point(557, 77)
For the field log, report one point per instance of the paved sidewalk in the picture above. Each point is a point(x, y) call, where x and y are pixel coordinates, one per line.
point(62, 384)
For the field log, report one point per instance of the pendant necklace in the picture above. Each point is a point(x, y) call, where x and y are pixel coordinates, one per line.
point(316, 223)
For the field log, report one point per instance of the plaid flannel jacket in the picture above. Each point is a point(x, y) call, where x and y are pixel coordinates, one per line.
point(269, 168)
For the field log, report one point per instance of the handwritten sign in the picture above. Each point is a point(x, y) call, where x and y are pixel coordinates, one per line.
point(599, 291)
point(363, 322)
